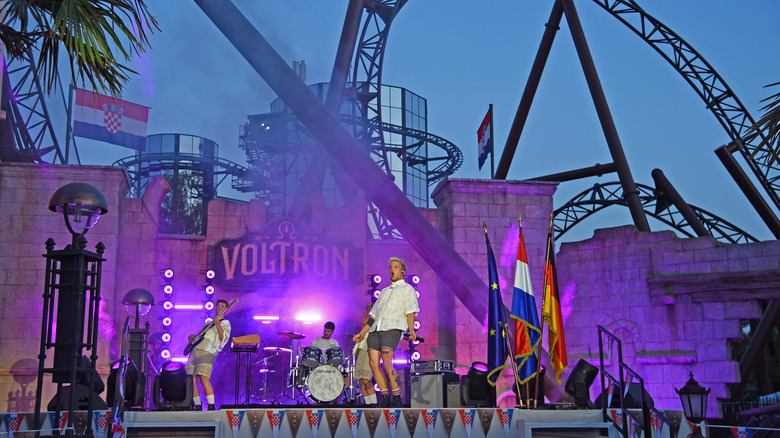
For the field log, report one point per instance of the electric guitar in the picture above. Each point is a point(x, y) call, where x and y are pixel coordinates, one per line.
point(355, 348)
point(197, 339)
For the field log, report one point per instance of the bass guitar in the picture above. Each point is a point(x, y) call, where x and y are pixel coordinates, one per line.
point(199, 337)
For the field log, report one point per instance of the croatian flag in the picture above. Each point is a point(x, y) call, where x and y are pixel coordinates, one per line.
point(484, 140)
point(104, 118)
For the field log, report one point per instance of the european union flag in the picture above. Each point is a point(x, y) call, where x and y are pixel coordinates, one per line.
point(497, 341)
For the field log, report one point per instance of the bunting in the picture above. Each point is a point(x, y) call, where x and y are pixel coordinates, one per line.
point(505, 416)
point(275, 417)
point(315, 417)
point(467, 415)
point(392, 420)
point(13, 422)
point(429, 416)
point(353, 418)
point(234, 419)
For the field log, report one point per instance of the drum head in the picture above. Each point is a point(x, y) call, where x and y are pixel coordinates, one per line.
point(311, 356)
point(325, 383)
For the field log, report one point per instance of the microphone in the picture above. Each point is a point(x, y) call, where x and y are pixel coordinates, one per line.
point(406, 335)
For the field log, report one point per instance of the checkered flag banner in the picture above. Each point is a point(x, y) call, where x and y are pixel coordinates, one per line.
point(353, 418)
point(13, 422)
point(429, 416)
point(314, 421)
point(235, 418)
point(467, 415)
point(275, 417)
point(657, 422)
point(505, 415)
point(618, 419)
point(742, 432)
point(101, 422)
point(392, 420)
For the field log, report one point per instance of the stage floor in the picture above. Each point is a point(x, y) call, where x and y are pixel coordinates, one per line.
point(308, 421)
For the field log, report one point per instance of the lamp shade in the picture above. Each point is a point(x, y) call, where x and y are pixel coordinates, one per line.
point(138, 299)
point(80, 203)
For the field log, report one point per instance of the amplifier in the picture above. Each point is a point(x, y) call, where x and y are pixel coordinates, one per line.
point(440, 390)
point(432, 366)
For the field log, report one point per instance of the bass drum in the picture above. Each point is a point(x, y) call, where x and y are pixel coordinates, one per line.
point(325, 383)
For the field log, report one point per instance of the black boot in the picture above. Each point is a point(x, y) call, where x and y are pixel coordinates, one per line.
point(385, 402)
point(198, 407)
point(212, 407)
point(396, 403)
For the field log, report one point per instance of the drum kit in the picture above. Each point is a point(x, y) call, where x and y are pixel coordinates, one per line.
point(310, 378)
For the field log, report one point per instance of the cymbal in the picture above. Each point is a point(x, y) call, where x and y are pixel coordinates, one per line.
point(289, 334)
point(277, 349)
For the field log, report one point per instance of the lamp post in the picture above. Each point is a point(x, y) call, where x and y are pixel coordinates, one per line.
point(72, 287)
point(694, 402)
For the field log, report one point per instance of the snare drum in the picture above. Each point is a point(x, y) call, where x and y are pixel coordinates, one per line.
point(334, 356)
point(311, 357)
point(325, 383)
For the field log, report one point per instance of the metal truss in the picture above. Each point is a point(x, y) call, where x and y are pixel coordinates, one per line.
point(654, 204)
point(33, 132)
point(713, 90)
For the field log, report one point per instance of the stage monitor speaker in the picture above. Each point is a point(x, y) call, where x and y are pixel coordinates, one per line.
point(431, 390)
point(84, 398)
point(630, 401)
point(579, 382)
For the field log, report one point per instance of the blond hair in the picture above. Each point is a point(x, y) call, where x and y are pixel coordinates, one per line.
point(396, 259)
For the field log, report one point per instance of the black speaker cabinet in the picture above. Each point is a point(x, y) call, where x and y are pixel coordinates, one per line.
point(432, 390)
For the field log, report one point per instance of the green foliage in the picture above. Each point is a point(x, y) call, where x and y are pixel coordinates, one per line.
point(98, 36)
point(183, 210)
point(768, 126)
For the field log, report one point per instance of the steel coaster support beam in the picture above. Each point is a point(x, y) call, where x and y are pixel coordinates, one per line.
point(551, 28)
point(667, 190)
point(585, 172)
point(724, 153)
point(315, 174)
point(467, 286)
point(630, 191)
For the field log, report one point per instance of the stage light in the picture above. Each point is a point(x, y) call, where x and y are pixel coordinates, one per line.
point(376, 294)
point(209, 305)
point(168, 289)
point(167, 305)
point(376, 279)
point(401, 361)
point(167, 321)
point(167, 274)
point(579, 382)
point(174, 386)
point(210, 290)
point(208, 320)
point(694, 402)
point(210, 274)
point(265, 318)
point(165, 354)
point(416, 325)
point(475, 389)
point(418, 293)
point(166, 337)
point(416, 355)
point(416, 342)
point(188, 307)
point(415, 279)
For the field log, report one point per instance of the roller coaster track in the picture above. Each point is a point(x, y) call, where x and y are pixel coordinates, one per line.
point(713, 90)
point(654, 204)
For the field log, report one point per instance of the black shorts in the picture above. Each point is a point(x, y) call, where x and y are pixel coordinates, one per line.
point(383, 339)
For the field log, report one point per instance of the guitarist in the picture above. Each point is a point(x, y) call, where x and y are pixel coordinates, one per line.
point(201, 360)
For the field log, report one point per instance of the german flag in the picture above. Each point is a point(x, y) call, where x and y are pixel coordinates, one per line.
point(551, 311)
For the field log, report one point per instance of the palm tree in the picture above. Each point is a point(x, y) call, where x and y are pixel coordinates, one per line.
point(98, 36)
point(769, 124)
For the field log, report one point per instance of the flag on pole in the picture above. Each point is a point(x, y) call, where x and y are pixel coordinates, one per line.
point(484, 140)
point(551, 311)
point(528, 331)
point(105, 118)
point(497, 351)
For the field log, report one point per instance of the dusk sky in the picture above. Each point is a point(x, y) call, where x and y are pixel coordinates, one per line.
point(464, 55)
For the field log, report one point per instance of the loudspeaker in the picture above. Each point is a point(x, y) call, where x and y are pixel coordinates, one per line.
point(431, 390)
point(453, 394)
point(579, 381)
point(84, 398)
point(630, 400)
point(465, 400)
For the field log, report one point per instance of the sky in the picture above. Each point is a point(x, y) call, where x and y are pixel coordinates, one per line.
point(463, 56)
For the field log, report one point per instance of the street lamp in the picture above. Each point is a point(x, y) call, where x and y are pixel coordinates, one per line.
point(694, 402)
point(138, 301)
point(81, 205)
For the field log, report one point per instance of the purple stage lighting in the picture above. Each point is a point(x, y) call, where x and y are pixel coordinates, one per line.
point(415, 279)
point(210, 274)
point(401, 361)
point(210, 290)
point(167, 321)
point(416, 342)
point(418, 293)
point(165, 354)
point(166, 337)
point(416, 355)
point(376, 293)
point(208, 320)
point(188, 307)
point(416, 325)
point(376, 279)
point(167, 305)
point(168, 274)
point(168, 289)
point(209, 305)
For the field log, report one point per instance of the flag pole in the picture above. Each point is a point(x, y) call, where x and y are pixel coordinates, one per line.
point(505, 325)
point(492, 144)
point(538, 361)
point(544, 297)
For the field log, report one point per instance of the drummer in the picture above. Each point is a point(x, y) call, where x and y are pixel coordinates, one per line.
point(326, 341)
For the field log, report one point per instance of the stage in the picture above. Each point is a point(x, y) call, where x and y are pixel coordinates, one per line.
point(326, 421)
